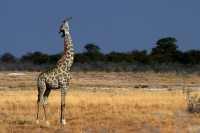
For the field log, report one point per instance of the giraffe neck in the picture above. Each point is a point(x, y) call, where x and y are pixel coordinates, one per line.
point(67, 58)
point(68, 46)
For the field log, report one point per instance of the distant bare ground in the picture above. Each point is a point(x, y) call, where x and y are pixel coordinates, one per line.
point(103, 80)
point(100, 102)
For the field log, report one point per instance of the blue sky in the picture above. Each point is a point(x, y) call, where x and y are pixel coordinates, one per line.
point(113, 25)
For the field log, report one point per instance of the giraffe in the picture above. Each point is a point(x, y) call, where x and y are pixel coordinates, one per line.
point(57, 77)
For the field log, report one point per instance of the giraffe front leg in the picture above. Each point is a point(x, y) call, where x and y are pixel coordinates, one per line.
point(63, 94)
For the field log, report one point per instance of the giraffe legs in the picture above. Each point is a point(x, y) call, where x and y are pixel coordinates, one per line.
point(43, 93)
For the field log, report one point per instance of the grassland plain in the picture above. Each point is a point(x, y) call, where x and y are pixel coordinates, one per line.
point(99, 102)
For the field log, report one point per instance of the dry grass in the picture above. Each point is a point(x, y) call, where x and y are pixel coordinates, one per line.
point(102, 111)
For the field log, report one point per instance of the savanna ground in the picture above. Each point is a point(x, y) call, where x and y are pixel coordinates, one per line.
point(99, 102)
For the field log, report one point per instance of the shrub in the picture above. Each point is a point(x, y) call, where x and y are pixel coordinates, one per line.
point(193, 101)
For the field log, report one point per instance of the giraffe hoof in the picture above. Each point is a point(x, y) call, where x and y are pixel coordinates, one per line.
point(63, 122)
point(47, 123)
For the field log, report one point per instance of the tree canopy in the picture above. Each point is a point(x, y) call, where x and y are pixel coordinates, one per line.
point(165, 52)
point(165, 49)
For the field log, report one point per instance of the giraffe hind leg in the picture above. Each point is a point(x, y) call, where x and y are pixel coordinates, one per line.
point(39, 104)
point(41, 91)
point(42, 100)
point(46, 94)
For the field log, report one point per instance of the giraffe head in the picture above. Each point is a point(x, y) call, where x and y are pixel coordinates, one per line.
point(64, 28)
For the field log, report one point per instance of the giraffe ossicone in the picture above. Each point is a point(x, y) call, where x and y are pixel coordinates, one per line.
point(57, 77)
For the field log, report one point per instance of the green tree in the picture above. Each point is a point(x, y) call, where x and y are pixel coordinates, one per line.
point(37, 58)
point(8, 57)
point(191, 57)
point(81, 58)
point(54, 58)
point(164, 51)
point(27, 57)
point(116, 57)
point(92, 53)
point(92, 48)
point(140, 56)
point(40, 58)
